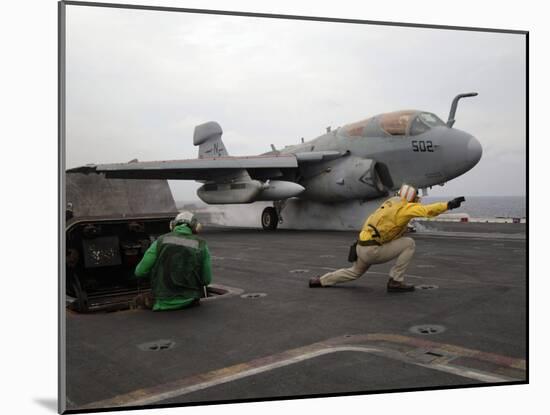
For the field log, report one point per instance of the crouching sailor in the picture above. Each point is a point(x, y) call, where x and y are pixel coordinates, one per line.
point(179, 266)
point(381, 240)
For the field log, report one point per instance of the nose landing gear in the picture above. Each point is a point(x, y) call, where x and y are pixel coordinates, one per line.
point(272, 216)
point(270, 219)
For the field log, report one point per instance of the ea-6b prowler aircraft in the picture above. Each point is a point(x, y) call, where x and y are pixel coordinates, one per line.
point(360, 161)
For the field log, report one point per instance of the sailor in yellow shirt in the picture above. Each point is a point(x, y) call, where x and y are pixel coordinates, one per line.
point(381, 240)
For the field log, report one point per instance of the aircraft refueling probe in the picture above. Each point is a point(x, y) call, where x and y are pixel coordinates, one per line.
point(451, 120)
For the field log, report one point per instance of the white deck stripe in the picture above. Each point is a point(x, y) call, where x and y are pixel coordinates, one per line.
point(469, 373)
point(464, 372)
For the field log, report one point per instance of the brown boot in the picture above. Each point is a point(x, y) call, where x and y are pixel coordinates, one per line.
point(315, 282)
point(399, 287)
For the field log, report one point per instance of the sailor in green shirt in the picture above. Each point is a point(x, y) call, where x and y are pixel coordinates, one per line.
point(178, 264)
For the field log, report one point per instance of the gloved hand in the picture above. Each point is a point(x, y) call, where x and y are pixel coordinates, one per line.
point(453, 204)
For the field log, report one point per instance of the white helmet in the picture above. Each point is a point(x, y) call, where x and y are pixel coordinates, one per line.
point(187, 218)
point(408, 192)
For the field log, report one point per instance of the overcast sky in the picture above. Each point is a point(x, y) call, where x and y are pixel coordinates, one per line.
point(139, 81)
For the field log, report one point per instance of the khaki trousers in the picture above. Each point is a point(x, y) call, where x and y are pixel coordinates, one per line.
point(402, 248)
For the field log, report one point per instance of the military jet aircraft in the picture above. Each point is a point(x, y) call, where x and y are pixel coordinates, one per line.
point(360, 161)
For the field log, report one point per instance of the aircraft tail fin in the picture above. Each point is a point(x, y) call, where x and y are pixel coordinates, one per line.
point(208, 137)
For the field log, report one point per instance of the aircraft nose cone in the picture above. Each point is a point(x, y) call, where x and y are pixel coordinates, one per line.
point(461, 152)
point(474, 151)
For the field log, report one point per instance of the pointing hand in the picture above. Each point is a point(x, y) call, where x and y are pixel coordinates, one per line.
point(453, 204)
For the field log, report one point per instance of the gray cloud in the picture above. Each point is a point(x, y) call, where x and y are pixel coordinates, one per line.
point(139, 81)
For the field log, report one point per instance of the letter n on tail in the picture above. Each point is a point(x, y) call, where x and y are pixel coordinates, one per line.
point(208, 137)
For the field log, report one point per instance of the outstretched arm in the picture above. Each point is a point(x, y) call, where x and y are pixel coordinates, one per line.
point(148, 261)
point(417, 210)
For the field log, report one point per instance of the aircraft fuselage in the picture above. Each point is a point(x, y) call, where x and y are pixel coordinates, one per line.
point(374, 162)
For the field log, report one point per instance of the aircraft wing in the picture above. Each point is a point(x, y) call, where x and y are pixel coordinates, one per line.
point(265, 166)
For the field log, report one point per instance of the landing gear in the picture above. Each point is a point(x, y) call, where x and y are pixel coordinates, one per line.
point(270, 219)
point(273, 216)
point(279, 205)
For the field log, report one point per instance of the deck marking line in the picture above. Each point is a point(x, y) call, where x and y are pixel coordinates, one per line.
point(240, 371)
point(468, 373)
point(459, 351)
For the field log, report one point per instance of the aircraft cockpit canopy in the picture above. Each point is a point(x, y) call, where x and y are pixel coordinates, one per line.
point(415, 122)
point(423, 122)
point(396, 123)
point(399, 123)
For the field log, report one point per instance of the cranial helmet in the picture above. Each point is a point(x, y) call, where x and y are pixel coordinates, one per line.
point(408, 192)
point(185, 217)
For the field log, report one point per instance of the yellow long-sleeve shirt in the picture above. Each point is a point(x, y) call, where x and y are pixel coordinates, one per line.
point(393, 216)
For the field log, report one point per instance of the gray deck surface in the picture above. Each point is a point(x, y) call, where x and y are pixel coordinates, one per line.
point(232, 348)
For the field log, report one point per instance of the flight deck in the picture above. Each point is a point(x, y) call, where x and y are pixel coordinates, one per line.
point(263, 333)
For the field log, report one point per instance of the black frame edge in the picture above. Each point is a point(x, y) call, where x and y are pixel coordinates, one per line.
point(289, 17)
point(61, 312)
point(527, 200)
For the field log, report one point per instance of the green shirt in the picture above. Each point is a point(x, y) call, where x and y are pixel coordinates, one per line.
point(148, 261)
